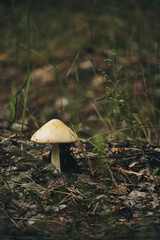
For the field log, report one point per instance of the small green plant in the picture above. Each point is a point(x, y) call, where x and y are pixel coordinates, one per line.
point(155, 171)
point(117, 96)
point(13, 103)
point(103, 163)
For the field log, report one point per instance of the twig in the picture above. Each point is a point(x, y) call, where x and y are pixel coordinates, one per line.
point(75, 191)
point(95, 208)
point(36, 219)
point(88, 160)
point(11, 219)
point(64, 199)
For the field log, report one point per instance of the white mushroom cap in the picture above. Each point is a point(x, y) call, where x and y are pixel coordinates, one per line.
point(54, 131)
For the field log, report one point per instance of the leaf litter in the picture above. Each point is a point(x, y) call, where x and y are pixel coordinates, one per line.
point(86, 204)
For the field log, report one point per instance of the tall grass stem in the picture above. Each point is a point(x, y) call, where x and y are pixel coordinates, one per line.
point(28, 80)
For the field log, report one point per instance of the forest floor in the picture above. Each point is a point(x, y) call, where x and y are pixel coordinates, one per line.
point(36, 204)
point(117, 199)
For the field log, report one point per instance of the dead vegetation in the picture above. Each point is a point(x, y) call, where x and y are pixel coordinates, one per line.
point(35, 202)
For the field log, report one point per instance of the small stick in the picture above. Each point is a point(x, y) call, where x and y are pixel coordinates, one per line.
point(11, 219)
point(88, 160)
point(36, 219)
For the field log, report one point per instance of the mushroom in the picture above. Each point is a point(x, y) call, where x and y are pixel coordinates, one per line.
point(54, 132)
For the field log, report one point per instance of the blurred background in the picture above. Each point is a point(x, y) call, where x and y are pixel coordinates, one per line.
point(94, 63)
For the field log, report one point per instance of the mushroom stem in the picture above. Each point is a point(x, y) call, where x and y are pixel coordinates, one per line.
point(55, 157)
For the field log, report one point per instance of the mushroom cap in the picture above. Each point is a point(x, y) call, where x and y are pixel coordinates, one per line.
point(54, 131)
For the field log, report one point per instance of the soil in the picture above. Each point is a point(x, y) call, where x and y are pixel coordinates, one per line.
point(122, 201)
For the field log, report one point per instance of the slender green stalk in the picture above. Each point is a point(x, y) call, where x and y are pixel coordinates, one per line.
point(92, 4)
point(28, 63)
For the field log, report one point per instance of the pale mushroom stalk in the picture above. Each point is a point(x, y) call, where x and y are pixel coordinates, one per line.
point(55, 157)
